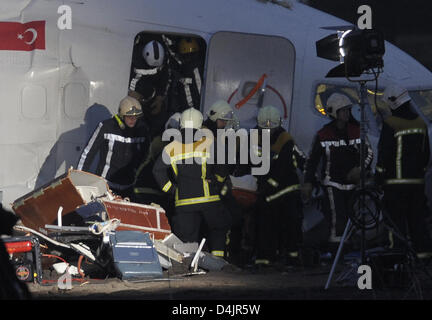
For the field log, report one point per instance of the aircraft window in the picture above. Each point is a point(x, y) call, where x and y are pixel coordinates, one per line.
point(34, 102)
point(75, 95)
point(257, 70)
point(423, 99)
point(323, 92)
point(167, 75)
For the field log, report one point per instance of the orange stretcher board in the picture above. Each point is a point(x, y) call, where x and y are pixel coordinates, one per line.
point(82, 192)
point(69, 191)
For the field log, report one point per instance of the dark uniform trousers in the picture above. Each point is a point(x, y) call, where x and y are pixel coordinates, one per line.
point(280, 215)
point(280, 226)
point(403, 155)
point(406, 207)
point(336, 209)
point(187, 223)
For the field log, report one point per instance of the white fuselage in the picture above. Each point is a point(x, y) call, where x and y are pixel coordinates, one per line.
point(47, 95)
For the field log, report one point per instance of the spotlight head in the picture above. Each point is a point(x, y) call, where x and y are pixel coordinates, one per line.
point(357, 50)
point(328, 47)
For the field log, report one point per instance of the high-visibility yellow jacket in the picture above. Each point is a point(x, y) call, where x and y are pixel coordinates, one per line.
point(403, 151)
point(195, 180)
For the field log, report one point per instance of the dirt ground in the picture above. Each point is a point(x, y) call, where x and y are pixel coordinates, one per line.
point(239, 284)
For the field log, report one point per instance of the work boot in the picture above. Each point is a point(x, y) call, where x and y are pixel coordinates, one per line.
point(263, 266)
point(293, 258)
point(310, 257)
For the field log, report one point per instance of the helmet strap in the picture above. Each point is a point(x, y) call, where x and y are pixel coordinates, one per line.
point(119, 121)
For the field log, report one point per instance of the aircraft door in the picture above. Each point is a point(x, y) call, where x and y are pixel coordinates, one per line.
point(250, 71)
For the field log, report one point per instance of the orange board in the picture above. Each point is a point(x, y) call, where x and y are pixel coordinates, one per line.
point(134, 216)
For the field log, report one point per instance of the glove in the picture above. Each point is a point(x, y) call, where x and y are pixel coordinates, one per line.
point(353, 175)
point(226, 188)
point(306, 191)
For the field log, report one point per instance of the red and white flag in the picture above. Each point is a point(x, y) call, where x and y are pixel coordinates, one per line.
point(22, 36)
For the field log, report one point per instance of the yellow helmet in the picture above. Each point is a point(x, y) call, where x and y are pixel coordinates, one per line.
point(129, 106)
point(188, 45)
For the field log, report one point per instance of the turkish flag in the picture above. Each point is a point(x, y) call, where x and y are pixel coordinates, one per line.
point(22, 36)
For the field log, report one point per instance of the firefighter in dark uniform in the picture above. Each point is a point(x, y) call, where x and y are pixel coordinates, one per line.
point(403, 155)
point(122, 143)
point(150, 82)
point(221, 117)
point(187, 79)
point(195, 188)
point(146, 188)
point(337, 148)
point(279, 214)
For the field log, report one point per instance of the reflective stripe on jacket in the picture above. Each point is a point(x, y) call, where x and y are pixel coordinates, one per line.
point(194, 176)
point(403, 151)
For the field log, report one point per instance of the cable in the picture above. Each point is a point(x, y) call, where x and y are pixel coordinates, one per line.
point(79, 266)
point(54, 256)
point(44, 281)
point(375, 96)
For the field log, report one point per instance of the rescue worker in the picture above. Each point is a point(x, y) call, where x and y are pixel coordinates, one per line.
point(188, 79)
point(150, 83)
point(155, 115)
point(146, 188)
point(122, 143)
point(337, 148)
point(194, 186)
point(403, 155)
point(221, 117)
point(279, 214)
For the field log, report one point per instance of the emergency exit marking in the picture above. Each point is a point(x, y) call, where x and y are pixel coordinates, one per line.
point(65, 20)
point(365, 20)
point(365, 280)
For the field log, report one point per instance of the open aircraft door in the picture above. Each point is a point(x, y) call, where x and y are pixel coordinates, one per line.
point(250, 71)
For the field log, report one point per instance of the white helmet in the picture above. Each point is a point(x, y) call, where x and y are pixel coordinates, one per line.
point(173, 121)
point(129, 106)
point(336, 102)
point(154, 54)
point(191, 118)
point(269, 117)
point(395, 96)
point(221, 110)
